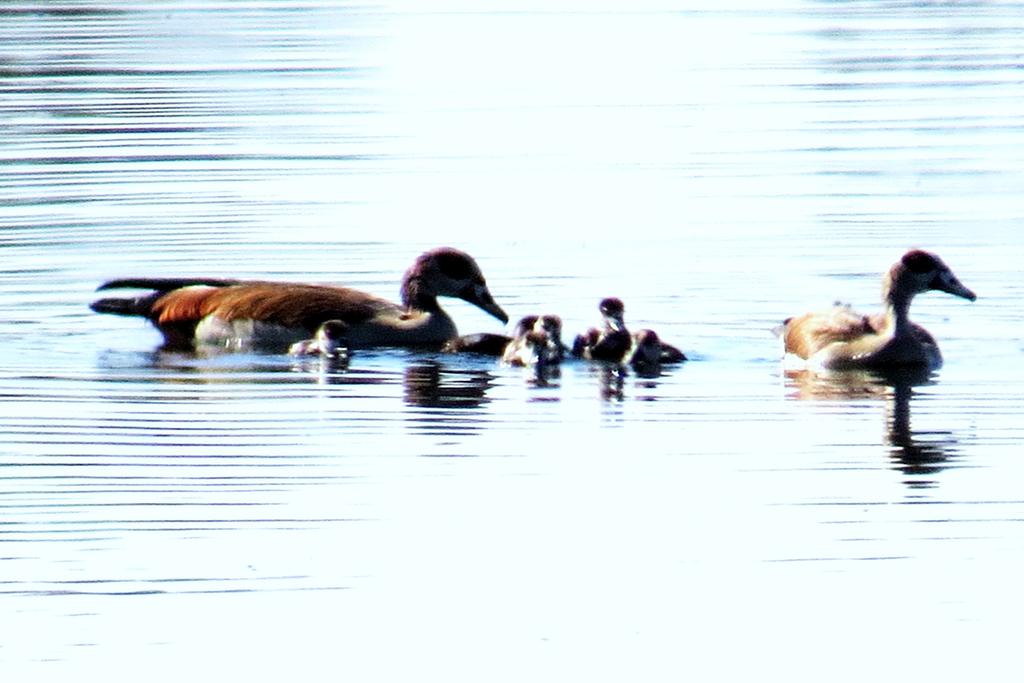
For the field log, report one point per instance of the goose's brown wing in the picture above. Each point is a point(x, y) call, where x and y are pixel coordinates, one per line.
point(807, 334)
point(285, 304)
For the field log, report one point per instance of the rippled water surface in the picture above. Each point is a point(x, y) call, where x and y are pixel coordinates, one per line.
point(417, 516)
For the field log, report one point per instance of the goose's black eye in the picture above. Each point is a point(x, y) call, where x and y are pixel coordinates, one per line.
point(920, 261)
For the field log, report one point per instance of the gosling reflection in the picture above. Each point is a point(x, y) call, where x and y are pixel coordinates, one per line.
point(548, 376)
point(612, 385)
point(612, 379)
point(326, 369)
point(543, 375)
point(916, 454)
point(429, 384)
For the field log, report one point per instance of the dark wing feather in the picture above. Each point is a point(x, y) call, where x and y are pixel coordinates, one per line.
point(166, 284)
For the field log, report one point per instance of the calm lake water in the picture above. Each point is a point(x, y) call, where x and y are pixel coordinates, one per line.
point(718, 166)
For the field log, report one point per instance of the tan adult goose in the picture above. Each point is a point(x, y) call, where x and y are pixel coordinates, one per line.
point(244, 314)
point(842, 339)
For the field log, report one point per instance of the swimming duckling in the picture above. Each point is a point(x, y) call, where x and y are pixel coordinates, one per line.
point(671, 354)
point(551, 325)
point(609, 344)
point(646, 353)
point(842, 339)
point(241, 314)
point(483, 343)
point(528, 350)
point(486, 343)
point(649, 349)
point(489, 344)
point(537, 338)
point(329, 342)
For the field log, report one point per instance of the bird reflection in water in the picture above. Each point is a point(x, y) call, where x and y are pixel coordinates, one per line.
point(430, 384)
point(916, 454)
point(611, 381)
point(446, 400)
point(328, 369)
point(543, 375)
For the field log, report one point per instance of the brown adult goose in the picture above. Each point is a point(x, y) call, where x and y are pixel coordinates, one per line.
point(244, 314)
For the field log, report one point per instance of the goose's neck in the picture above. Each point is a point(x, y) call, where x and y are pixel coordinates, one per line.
point(897, 306)
point(417, 297)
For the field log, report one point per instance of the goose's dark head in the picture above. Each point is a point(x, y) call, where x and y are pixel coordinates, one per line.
point(448, 272)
